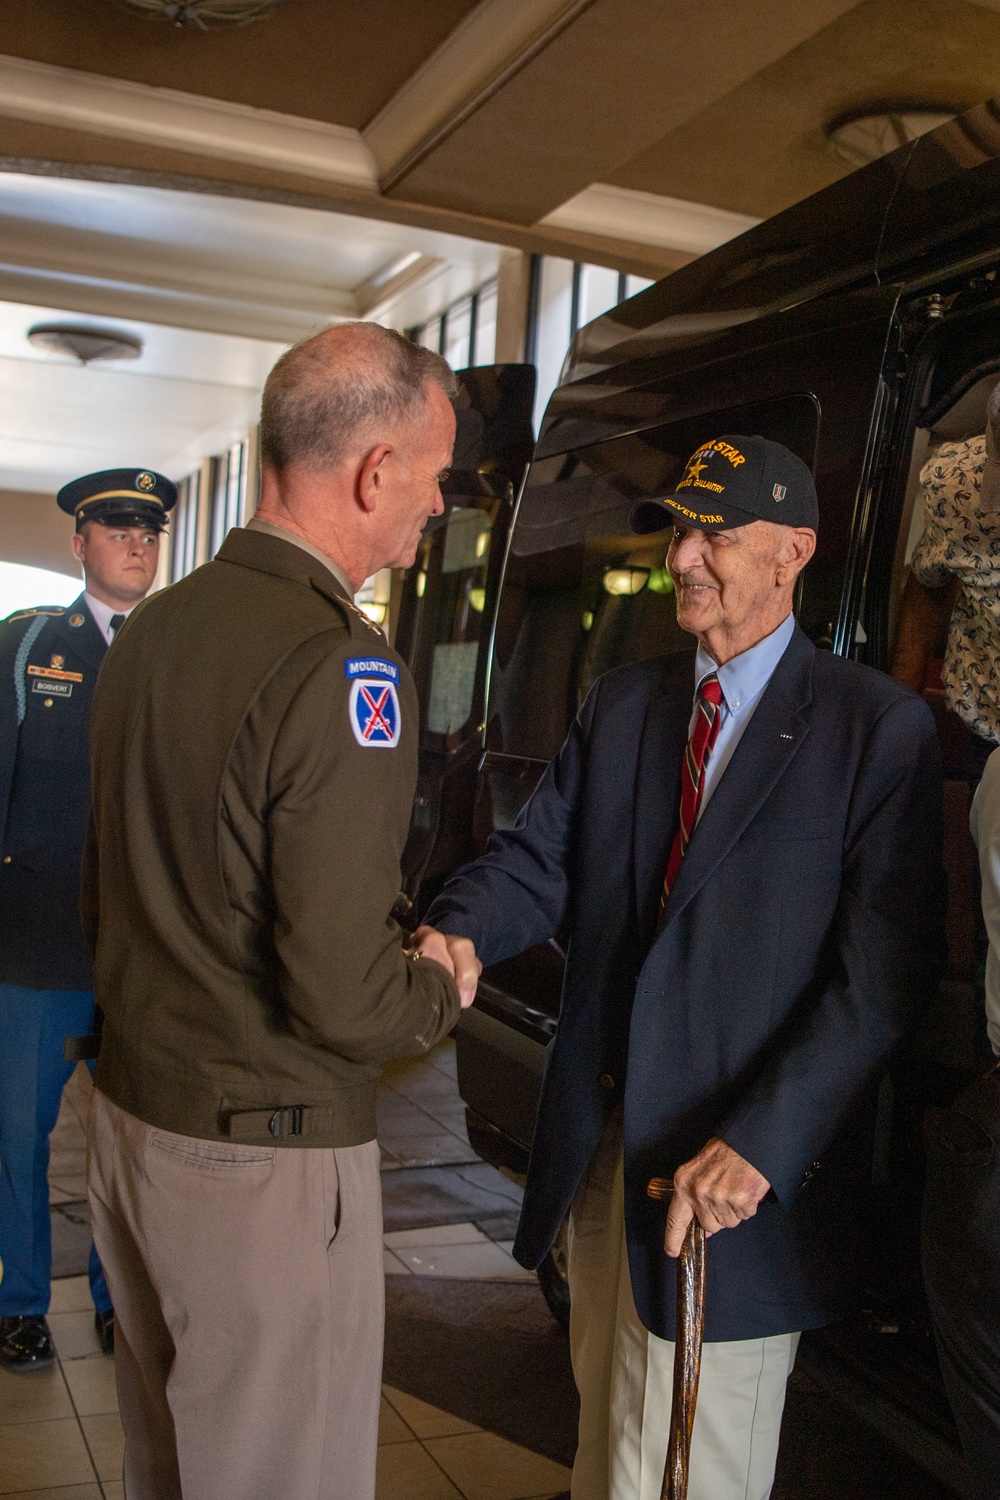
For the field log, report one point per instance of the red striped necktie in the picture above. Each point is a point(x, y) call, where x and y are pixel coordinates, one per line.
point(699, 748)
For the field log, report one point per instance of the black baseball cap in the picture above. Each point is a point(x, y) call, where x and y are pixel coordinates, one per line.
point(731, 481)
point(120, 497)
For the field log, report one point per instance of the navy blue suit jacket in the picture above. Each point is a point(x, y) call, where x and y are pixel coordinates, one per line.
point(800, 939)
point(45, 792)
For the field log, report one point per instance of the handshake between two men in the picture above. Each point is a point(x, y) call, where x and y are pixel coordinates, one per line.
point(718, 1186)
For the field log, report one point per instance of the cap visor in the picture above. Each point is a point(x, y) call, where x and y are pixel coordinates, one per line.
point(656, 515)
point(146, 520)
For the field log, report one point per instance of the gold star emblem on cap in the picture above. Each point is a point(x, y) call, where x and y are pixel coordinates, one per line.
point(695, 467)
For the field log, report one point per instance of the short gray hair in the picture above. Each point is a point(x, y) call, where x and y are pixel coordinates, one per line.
point(334, 390)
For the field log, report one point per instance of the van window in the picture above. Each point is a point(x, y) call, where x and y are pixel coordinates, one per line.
point(442, 622)
point(581, 593)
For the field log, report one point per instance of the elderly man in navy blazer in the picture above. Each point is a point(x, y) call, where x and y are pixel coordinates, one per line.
point(744, 846)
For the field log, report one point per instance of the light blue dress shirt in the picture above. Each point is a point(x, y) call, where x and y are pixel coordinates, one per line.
point(742, 681)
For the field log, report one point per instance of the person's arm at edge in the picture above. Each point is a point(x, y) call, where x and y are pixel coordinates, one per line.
point(924, 616)
point(984, 822)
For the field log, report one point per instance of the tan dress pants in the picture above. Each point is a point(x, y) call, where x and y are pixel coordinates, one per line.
point(249, 1300)
point(624, 1373)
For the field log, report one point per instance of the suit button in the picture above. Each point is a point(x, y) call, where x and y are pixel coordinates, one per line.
point(6, 859)
point(606, 1081)
point(48, 702)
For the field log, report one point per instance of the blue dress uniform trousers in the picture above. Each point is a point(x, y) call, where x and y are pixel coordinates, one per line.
point(34, 1025)
point(49, 661)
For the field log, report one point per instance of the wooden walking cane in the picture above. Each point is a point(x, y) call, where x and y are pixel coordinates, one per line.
point(687, 1349)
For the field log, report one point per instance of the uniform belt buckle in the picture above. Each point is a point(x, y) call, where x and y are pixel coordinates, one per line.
point(276, 1124)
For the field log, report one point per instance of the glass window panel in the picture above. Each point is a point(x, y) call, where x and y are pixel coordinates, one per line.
point(457, 335)
point(442, 616)
point(466, 541)
point(185, 527)
point(220, 494)
point(598, 292)
point(635, 284)
point(453, 681)
point(552, 334)
point(235, 487)
point(486, 326)
point(429, 336)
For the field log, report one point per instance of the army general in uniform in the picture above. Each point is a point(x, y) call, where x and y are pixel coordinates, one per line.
point(49, 661)
point(238, 891)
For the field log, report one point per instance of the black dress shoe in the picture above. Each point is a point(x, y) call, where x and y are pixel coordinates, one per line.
point(25, 1344)
point(104, 1324)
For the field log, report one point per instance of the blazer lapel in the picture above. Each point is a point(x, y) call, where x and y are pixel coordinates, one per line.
point(779, 725)
point(657, 794)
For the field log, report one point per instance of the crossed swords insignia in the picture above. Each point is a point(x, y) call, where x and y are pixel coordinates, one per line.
point(377, 720)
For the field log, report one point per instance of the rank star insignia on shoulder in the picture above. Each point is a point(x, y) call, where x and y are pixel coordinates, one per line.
point(359, 614)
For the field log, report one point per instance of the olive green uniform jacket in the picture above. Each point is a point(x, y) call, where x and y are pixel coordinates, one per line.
point(243, 857)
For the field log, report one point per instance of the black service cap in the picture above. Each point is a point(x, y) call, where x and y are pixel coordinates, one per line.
point(731, 481)
point(120, 497)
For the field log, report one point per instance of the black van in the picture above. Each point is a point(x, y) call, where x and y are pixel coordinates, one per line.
point(861, 328)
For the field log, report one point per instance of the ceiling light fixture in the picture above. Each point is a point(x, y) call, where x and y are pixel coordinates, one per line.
point(204, 13)
point(860, 136)
point(84, 343)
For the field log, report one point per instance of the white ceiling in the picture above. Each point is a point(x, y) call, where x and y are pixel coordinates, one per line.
point(187, 395)
point(227, 265)
point(215, 287)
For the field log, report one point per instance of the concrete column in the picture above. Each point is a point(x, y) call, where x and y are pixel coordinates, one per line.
point(513, 283)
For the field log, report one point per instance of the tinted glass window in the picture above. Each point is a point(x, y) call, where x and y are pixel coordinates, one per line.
point(441, 627)
point(581, 593)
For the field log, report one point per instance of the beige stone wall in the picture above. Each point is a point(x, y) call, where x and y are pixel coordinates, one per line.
point(34, 531)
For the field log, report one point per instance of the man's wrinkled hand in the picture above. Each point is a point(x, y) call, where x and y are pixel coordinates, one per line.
point(456, 954)
point(718, 1187)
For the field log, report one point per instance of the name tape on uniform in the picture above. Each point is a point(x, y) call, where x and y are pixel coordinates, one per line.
point(55, 672)
point(54, 689)
point(373, 705)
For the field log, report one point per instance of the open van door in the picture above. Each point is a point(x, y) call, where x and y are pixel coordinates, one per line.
point(445, 617)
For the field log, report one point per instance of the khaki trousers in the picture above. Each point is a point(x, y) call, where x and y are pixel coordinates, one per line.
point(249, 1301)
point(625, 1374)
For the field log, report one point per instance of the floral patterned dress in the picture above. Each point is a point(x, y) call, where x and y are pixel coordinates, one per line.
point(963, 539)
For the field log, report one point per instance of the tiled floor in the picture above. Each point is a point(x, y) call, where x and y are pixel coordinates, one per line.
point(421, 1119)
point(60, 1437)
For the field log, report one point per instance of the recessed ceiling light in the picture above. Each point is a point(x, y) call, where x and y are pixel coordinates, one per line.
point(84, 343)
point(204, 13)
point(860, 136)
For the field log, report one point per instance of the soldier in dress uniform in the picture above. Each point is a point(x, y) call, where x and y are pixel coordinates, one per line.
point(49, 661)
